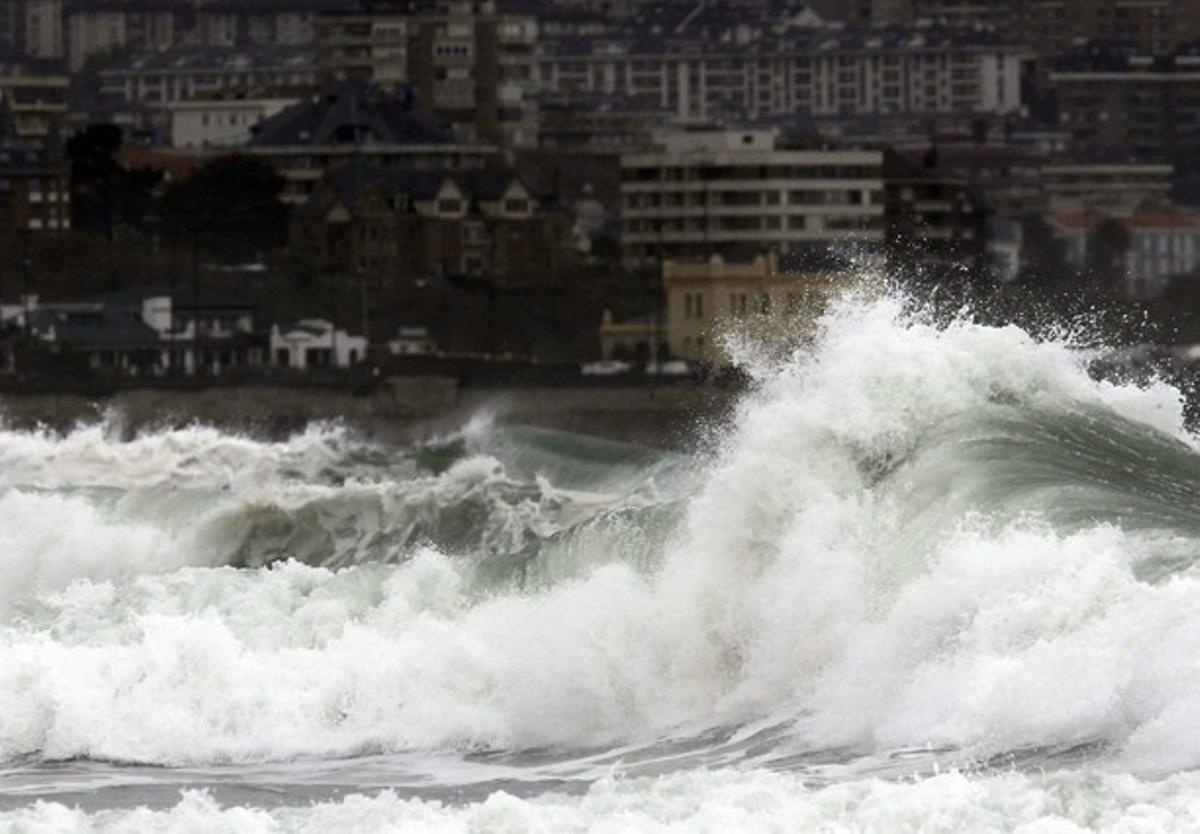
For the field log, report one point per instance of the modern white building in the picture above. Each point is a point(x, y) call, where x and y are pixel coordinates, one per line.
point(737, 194)
point(218, 122)
point(313, 344)
point(1164, 244)
point(814, 71)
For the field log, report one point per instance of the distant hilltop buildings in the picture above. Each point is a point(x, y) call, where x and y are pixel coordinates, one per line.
point(551, 155)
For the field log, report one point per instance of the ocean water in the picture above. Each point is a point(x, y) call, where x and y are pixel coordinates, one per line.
point(930, 578)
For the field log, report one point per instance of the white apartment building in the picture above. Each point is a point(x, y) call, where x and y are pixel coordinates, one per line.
point(184, 73)
point(217, 123)
point(820, 72)
point(105, 27)
point(1164, 244)
point(736, 194)
point(363, 44)
point(44, 36)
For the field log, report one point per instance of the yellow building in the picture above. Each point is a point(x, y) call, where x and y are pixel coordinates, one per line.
point(710, 300)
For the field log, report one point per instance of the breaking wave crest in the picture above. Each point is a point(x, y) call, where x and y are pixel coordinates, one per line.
point(942, 544)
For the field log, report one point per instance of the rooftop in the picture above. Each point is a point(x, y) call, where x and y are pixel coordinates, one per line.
point(350, 113)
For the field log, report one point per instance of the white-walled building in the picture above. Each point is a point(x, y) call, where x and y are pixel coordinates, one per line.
point(1164, 244)
point(814, 71)
point(313, 344)
point(216, 123)
point(146, 332)
point(736, 194)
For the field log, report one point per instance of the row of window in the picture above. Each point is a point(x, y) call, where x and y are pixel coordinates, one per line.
point(745, 303)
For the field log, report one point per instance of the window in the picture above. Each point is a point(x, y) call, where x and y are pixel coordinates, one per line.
point(450, 206)
point(516, 206)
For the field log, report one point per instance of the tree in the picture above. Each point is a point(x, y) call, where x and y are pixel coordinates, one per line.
point(106, 195)
point(1044, 256)
point(230, 205)
point(1107, 247)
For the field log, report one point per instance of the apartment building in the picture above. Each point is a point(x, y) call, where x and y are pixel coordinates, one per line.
point(35, 187)
point(32, 29)
point(1117, 97)
point(476, 68)
point(936, 220)
point(400, 226)
point(95, 27)
point(1163, 245)
point(161, 78)
point(35, 100)
point(805, 71)
point(351, 121)
point(256, 22)
point(736, 193)
point(1116, 187)
point(777, 302)
point(1052, 27)
point(365, 43)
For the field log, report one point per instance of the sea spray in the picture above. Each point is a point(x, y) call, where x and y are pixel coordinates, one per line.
point(944, 539)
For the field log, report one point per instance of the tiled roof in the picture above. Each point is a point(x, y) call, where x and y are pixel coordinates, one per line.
point(349, 113)
point(350, 182)
point(1156, 219)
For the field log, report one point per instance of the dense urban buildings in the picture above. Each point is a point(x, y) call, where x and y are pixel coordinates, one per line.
point(570, 149)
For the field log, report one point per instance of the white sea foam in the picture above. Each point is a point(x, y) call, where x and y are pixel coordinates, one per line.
point(197, 457)
point(696, 802)
point(797, 588)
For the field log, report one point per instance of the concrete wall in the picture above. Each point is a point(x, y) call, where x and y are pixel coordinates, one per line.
point(400, 409)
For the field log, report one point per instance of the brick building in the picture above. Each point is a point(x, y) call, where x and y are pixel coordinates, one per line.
point(399, 227)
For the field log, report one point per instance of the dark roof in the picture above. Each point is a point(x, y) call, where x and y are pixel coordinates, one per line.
point(181, 298)
point(654, 40)
point(96, 330)
point(350, 113)
point(191, 58)
point(349, 182)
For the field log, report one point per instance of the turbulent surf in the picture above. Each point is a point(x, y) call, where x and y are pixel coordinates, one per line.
point(928, 575)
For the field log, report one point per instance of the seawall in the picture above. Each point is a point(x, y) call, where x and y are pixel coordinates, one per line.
point(397, 408)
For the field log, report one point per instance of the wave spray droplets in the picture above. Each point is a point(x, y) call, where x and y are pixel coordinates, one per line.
point(917, 548)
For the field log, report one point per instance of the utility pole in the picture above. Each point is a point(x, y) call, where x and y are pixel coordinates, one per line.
point(25, 264)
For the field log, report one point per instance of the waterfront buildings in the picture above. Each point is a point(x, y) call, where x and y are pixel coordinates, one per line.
point(315, 344)
point(764, 298)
